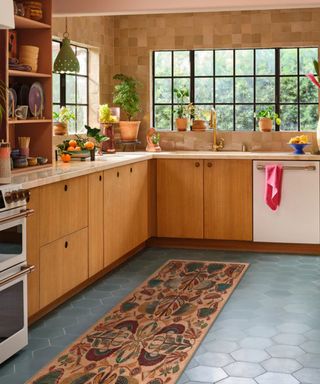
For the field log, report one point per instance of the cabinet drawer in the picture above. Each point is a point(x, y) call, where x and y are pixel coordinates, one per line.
point(63, 266)
point(63, 208)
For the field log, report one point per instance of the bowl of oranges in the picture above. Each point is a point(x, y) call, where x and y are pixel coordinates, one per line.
point(298, 143)
point(75, 149)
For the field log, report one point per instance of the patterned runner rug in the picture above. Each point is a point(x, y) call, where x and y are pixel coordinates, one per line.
point(151, 335)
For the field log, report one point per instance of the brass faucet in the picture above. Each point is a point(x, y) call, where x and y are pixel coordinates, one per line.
point(213, 125)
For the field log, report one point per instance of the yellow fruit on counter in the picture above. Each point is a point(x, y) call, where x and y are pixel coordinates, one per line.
point(302, 139)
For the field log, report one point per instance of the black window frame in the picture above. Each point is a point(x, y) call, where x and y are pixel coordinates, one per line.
point(63, 89)
point(277, 76)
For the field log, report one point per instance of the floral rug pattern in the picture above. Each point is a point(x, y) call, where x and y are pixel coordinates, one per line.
point(150, 336)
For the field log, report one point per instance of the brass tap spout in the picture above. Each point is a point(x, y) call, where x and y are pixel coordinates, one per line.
point(213, 125)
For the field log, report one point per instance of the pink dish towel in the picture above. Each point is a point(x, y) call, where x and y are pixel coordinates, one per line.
point(272, 195)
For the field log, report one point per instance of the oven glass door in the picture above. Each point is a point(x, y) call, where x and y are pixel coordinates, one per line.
point(12, 313)
point(12, 242)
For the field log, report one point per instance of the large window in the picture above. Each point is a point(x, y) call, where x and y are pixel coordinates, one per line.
point(72, 90)
point(238, 82)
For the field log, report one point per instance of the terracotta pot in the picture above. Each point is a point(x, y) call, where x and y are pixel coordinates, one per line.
point(60, 129)
point(129, 130)
point(181, 123)
point(265, 124)
point(199, 125)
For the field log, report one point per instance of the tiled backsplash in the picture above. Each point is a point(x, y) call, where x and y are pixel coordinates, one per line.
point(233, 141)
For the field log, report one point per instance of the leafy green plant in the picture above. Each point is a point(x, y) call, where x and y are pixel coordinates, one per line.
point(3, 91)
point(126, 95)
point(95, 134)
point(181, 95)
point(64, 115)
point(105, 116)
point(268, 113)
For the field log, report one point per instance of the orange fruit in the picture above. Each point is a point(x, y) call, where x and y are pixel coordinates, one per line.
point(65, 157)
point(77, 149)
point(89, 145)
point(72, 143)
point(71, 148)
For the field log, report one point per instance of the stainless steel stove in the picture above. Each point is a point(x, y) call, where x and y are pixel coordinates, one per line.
point(13, 269)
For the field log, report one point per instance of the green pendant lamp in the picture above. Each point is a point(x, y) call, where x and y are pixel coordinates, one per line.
point(66, 61)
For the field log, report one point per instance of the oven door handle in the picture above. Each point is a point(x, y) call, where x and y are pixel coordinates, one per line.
point(21, 214)
point(24, 270)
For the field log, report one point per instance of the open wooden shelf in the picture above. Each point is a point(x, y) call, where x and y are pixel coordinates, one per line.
point(15, 73)
point(30, 121)
point(25, 23)
point(16, 171)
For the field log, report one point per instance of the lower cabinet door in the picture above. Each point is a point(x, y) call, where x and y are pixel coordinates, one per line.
point(180, 198)
point(228, 199)
point(63, 266)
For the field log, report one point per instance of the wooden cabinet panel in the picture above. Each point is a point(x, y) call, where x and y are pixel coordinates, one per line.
point(116, 226)
point(125, 209)
point(95, 215)
point(63, 266)
point(138, 203)
point(228, 199)
point(33, 253)
point(63, 208)
point(180, 198)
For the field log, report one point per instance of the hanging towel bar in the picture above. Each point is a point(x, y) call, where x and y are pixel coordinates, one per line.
point(261, 167)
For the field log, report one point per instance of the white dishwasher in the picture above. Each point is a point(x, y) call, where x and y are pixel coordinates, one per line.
point(297, 219)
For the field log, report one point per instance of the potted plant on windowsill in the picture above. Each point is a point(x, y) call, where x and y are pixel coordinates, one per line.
point(182, 110)
point(266, 118)
point(61, 120)
point(127, 98)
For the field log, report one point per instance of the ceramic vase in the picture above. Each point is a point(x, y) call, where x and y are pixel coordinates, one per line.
point(109, 145)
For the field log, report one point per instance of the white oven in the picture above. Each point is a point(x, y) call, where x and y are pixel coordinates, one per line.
point(14, 310)
point(13, 270)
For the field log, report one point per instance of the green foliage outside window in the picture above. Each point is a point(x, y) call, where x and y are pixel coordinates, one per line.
point(238, 83)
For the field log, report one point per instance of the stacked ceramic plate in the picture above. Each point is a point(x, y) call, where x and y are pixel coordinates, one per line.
point(28, 55)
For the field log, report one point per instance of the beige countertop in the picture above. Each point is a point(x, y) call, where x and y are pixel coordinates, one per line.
point(63, 171)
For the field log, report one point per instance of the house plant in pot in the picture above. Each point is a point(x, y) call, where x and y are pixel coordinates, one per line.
point(61, 120)
point(181, 95)
point(127, 98)
point(266, 118)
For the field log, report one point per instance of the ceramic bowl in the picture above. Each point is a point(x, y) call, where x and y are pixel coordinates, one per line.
point(20, 162)
point(298, 148)
point(42, 160)
point(32, 161)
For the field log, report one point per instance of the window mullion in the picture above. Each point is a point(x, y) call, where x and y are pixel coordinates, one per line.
point(277, 85)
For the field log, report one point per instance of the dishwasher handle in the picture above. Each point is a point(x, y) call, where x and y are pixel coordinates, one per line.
point(261, 167)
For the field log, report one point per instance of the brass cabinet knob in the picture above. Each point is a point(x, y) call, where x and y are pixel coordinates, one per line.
point(209, 165)
point(118, 174)
point(100, 178)
point(197, 164)
point(66, 187)
point(66, 244)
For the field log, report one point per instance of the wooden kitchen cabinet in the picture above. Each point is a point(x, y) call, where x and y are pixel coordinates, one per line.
point(63, 266)
point(125, 210)
point(63, 208)
point(33, 253)
point(180, 198)
point(228, 199)
point(138, 204)
point(95, 217)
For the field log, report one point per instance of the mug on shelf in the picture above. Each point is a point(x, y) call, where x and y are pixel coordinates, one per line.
point(22, 112)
